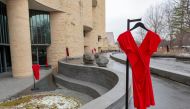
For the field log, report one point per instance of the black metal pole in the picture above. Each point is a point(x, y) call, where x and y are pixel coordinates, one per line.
point(127, 74)
point(34, 88)
point(127, 67)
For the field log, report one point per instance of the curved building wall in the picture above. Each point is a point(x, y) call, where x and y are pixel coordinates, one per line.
point(68, 21)
point(58, 29)
point(66, 31)
point(86, 6)
point(74, 35)
point(91, 38)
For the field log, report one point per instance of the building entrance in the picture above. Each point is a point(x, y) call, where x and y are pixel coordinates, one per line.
point(5, 60)
point(40, 36)
point(39, 55)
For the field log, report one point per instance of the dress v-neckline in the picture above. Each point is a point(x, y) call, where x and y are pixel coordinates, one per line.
point(138, 47)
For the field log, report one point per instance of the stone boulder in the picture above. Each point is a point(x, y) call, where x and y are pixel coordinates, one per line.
point(96, 55)
point(102, 61)
point(88, 58)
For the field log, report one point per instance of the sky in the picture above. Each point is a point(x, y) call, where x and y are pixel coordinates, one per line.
point(118, 11)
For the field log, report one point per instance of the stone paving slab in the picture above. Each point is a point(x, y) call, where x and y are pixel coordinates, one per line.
point(167, 67)
point(168, 64)
point(10, 86)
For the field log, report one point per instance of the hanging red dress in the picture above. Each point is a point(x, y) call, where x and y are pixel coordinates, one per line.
point(36, 71)
point(139, 59)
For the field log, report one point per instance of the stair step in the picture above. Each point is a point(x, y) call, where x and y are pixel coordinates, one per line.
point(100, 89)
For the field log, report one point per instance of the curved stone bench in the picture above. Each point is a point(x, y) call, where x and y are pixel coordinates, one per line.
point(113, 98)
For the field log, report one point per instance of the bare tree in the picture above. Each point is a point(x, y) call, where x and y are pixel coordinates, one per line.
point(154, 19)
point(140, 34)
point(180, 20)
point(168, 12)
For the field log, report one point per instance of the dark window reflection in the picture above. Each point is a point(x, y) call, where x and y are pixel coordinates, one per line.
point(39, 27)
point(5, 57)
point(3, 24)
point(39, 55)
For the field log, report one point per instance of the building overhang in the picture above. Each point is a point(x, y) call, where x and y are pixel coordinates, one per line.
point(33, 4)
point(87, 28)
point(94, 3)
point(4, 1)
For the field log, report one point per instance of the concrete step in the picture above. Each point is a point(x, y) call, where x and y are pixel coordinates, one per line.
point(91, 89)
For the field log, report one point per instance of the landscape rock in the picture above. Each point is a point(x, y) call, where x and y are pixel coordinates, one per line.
point(88, 58)
point(102, 61)
point(96, 55)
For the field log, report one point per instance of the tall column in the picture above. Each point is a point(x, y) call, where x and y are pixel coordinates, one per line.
point(19, 33)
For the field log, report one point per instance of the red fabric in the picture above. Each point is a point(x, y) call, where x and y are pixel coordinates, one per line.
point(92, 51)
point(139, 59)
point(67, 51)
point(46, 62)
point(95, 50)
point(36, 71)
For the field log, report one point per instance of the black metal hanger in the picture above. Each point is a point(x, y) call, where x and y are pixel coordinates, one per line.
point(139, 24)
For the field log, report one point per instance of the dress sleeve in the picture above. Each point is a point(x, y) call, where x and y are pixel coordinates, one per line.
point(154, 43)
point(123, 43)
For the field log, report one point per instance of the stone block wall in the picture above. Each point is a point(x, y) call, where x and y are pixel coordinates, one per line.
point(68, 21)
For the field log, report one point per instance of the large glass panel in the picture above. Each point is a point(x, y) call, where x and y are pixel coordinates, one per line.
point(42, 55)
point(40, 27)
point(39, 55)
point(34, 55)
point(3, 24)
point(5, 57)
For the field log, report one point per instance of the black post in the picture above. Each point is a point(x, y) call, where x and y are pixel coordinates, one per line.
point(34, 88)
point(127, 66)
point(34, 81)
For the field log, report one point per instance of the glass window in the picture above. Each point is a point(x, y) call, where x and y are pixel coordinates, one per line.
point(39, 27)
point(3, 24)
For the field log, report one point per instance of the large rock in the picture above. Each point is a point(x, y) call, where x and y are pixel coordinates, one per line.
point(88, 58)
point(96, 55)
point(102, 61)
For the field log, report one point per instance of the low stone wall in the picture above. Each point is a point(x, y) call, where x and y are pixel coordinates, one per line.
point(117, 59)
point(113, 99)
point(96, 75)
point(171, 56)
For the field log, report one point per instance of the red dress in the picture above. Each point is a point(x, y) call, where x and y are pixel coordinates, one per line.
point(36, 71)
point(139, 59)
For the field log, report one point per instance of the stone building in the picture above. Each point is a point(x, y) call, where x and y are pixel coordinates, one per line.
point(109, 43)
point(39, 31)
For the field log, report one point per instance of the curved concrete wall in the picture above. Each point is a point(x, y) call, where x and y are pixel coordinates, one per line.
point(113, 99)
point(96, 75)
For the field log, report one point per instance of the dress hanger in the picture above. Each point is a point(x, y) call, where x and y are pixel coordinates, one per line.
point(139, 24)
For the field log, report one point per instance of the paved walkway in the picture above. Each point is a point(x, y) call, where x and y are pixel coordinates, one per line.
point(166, 64)
point(168, 94)
point(10, 86)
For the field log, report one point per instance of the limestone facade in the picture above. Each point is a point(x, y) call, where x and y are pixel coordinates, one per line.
point(93, 37)
point(111, 43)
point(78, 25)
